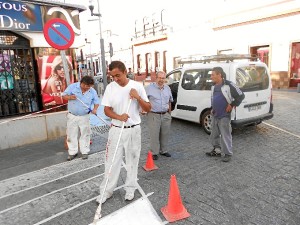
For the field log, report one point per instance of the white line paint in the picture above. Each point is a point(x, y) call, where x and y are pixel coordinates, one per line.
point(285, 131)
point(50, 193)
point(65, 211)
point(53, 167)
point(26, 189)
point(73, 207)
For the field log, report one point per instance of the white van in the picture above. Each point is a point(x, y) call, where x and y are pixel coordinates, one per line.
point(191, 89)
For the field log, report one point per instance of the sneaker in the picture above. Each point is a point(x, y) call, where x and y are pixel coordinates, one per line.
point(85, 156)
point(129, 196)
point(71, 157)
point(155, 157)
point(105, 197)
point(216, 152)
point(227, 158)
point(165, 154)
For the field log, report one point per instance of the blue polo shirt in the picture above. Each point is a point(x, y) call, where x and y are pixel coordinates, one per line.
point(90, 98)
point(159, 98)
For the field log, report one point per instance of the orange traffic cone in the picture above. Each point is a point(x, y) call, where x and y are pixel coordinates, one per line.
point(175, 210)
point(149, 163)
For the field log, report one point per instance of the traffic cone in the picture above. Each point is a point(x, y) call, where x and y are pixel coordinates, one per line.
point(149, 163)
point(175, 210)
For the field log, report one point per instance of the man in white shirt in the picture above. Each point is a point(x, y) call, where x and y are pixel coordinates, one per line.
point(116, 100)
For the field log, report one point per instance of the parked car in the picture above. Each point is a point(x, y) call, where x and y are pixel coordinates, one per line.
point(191, 90)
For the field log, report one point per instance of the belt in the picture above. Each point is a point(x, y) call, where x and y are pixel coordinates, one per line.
point(77, 115)
point(160, 112)
point(126, 126)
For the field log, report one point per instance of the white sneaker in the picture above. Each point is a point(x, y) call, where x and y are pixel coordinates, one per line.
point(129, 196)
point(105, 197)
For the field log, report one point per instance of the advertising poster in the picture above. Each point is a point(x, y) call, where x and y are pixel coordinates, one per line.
point(53, 79)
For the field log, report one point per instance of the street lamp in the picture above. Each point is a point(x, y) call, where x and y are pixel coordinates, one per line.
point(103, 62)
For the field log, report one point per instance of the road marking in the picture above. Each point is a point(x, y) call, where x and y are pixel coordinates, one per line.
point(285, 131)
point(50, 193)
point(73, 207)
point(52, 167)
point(26, 189)
point(42, 176)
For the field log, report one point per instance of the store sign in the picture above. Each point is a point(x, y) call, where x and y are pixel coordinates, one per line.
point(20, 16)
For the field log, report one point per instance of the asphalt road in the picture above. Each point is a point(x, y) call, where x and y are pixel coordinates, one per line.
point(260, 186)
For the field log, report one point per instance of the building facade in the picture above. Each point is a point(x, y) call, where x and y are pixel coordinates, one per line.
point(265, 29)
point(30, 69)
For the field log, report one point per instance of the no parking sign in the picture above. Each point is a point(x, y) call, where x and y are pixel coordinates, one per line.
point(59, 34)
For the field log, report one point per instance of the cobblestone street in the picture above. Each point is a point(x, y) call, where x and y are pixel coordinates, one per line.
point(260, 186)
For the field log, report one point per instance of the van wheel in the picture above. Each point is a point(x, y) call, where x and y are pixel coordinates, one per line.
point(206, 121)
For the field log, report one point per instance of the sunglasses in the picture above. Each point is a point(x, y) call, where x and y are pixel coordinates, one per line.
point(59, 67)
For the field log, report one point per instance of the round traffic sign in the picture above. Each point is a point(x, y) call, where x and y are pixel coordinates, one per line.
point(59, 34)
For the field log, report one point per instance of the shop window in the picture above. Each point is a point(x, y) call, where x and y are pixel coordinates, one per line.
point(261, 52)
point(157, 61)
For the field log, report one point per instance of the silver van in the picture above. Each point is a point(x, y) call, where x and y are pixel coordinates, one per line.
point(191, 89)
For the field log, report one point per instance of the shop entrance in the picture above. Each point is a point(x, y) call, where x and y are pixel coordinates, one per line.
point(18, 90)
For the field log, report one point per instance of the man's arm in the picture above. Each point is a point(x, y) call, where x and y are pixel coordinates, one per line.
point(237, 94)
point(146, 106)
point(110, 113)
point(94, 111)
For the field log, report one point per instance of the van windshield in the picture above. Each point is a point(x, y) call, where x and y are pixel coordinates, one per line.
point(252, 78)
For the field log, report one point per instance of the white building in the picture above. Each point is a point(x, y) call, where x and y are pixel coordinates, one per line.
point(266, 29)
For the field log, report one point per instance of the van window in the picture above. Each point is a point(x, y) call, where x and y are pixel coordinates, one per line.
point(197, 79)
point(174, 77)
point(252, 78)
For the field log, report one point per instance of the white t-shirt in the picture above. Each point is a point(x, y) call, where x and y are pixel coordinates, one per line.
point(118, 98)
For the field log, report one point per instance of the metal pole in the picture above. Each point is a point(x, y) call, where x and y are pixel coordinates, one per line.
point(103, 62)
point(92, 63)
point(66, 67)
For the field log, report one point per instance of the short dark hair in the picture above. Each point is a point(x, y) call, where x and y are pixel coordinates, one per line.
point(220, 70)
point(87, 80)
point(117, 64)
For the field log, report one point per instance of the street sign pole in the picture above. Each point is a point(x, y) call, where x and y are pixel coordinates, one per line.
point(103, 62)
point(66, 67)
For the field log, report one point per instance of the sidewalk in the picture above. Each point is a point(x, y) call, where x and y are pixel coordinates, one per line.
point(31, 157)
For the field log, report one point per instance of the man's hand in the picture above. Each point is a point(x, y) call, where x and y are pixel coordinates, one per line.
point(228, 108)
point(72, 97)
point(124, 117)
point(134, 94)
point(94, 111)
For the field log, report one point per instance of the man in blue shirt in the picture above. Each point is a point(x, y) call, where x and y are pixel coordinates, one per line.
point(159, 119)
point(78, 118)
point(225, 96)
